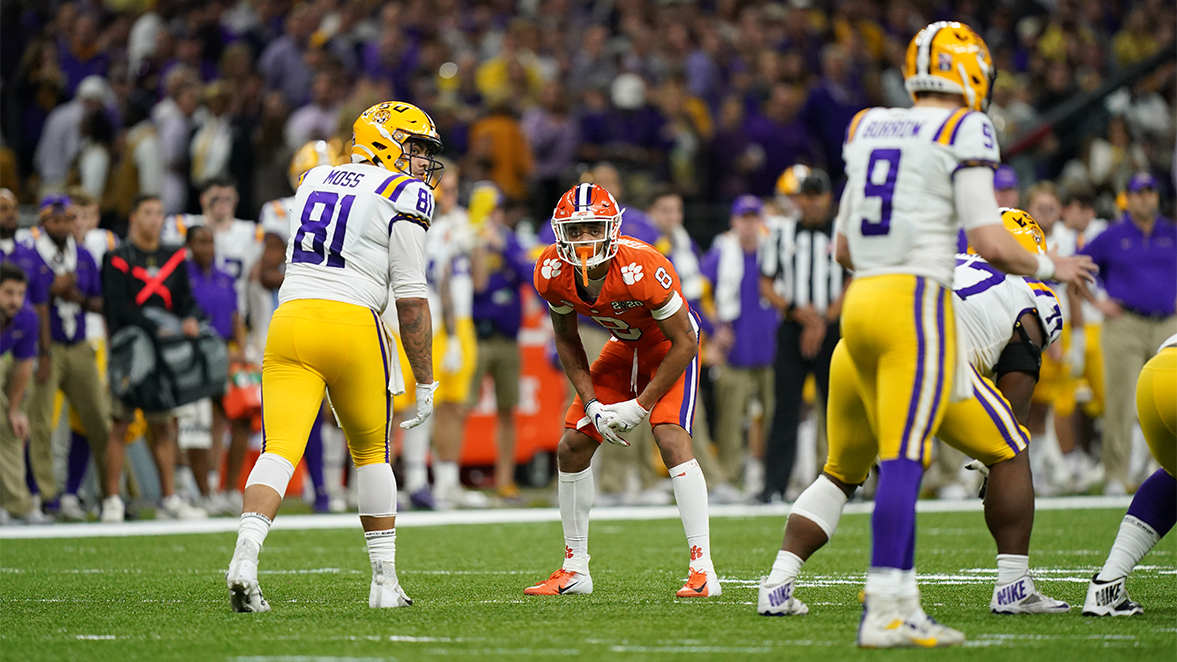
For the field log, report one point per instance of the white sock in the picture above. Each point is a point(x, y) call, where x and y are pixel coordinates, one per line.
point(334, 459)
point(381, 545)
point(1134, 540)
point(445, 476)
point(1011, 566)
point(576, 492)
point(690, 493)
point(891, 583)
point(785, 567)
point(416, 448)
point(253, 527)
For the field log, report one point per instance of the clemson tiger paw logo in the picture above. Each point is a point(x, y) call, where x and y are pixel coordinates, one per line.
point(550, 268)
point(631, 273)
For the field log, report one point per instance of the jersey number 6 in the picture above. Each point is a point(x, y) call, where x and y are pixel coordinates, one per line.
point(884, 191)
point(325, 202)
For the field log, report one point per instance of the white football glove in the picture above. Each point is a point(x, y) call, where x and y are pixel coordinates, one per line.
point(626, 415)
point(1077, 356)
point(602, 420)
point(424, 405)
point(452, 361)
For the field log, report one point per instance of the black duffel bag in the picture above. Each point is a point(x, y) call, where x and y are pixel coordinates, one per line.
point(169, 370)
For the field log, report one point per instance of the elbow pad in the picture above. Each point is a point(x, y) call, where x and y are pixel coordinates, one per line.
point(1022, 356)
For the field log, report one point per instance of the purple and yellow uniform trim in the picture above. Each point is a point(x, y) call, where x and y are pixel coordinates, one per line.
point(946, 134)
point(852, 128)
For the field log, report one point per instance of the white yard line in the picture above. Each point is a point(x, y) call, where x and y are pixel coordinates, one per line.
point(500, 516)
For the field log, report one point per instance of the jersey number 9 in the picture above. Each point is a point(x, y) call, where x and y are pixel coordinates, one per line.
point(885, 191)
point(326, 202)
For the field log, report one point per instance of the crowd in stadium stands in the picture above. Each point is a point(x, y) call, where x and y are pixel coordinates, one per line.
point(695, 115)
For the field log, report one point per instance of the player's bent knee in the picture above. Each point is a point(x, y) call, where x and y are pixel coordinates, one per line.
point(575, 448)
point(822, 503)
point(273, 471)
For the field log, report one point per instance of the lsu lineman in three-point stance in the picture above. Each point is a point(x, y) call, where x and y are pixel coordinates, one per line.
point(357, 230)
point(915, 177)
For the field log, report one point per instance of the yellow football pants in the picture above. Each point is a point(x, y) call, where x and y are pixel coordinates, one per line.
point(891, 374)
point(312, 345)
point(1156, 404)
point(452, 386)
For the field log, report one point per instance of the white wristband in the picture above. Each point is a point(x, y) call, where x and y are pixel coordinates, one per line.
point(1045, 268)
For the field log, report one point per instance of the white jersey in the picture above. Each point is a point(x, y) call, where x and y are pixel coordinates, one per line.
point(98, 242)
point(989, 302)
point(1068, 242)
point(1170, 342)
point(357, 232)
point(899, 209)
point(274, 217)
point(238, 248)
point(448, 249)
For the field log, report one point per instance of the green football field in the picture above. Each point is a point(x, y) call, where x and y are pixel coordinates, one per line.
point(164, 597)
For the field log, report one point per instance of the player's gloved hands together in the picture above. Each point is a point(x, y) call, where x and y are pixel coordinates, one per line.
point(452, 361)
point(424, 405)
point(602, 420)
point(626, 415)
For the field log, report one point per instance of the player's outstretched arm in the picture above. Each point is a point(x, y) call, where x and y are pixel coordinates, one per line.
point(684, 346)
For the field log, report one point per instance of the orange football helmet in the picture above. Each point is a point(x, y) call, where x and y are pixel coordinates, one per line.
point(950, 57)
point(582, 204)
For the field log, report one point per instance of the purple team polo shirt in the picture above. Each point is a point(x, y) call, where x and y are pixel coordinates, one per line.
point(215, 295)
point(67, 321)
point(1138, 272)
point(21, 335)
point(755, 329)
point(39, 274)
point(498, 308)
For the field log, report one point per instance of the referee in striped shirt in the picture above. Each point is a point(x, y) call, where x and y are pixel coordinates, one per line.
point(800, 277)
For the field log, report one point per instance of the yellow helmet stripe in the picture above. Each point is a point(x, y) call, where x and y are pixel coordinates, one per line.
point(854, 124)
point(946, 134)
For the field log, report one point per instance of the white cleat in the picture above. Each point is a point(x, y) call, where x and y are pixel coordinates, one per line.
point(113, 509)
point(1109, 599)
point(386, 591)
point(173, 507)
point(245, 594)
point(778, 600)
point(70, 508)
point(890, 623)
point(1021, 596)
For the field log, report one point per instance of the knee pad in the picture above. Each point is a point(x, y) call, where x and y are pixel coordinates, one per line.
point(376, 490)
point(822, 503)
point(273, 471)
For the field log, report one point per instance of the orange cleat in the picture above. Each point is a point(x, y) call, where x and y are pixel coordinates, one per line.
point(700, 584)
point(563, 582)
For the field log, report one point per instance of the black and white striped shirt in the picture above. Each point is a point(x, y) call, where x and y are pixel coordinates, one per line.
point(801, 262)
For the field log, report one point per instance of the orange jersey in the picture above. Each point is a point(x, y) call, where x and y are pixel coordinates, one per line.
point(632, 300)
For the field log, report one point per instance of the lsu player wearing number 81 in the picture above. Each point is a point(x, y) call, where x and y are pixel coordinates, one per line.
point(915, 176)
point(650, 367)
point(357, 230)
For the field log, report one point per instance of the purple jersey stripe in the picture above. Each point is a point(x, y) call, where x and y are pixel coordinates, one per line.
point(939, 371)
point(384, 186)
point(387, 395)
point(956, 129)
point(399, 187)
point(263, 397)
point(917, 387)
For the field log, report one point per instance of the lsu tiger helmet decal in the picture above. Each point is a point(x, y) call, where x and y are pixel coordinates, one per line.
point(950, 57)
point(384, 134)
point(1024, 228)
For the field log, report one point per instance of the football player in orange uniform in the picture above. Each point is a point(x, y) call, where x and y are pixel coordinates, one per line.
point(650, 367)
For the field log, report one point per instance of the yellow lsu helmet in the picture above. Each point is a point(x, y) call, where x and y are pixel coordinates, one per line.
point(382, 133)
point(950, 57)
point(1024, 228)
point(312, 155)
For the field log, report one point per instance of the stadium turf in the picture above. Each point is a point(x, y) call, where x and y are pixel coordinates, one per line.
point(164, 597)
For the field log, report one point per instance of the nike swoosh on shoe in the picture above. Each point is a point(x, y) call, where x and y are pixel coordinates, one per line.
point(562, 589)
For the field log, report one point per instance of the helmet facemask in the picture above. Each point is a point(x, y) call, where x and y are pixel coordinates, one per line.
point(581, 244)
point(427, 153)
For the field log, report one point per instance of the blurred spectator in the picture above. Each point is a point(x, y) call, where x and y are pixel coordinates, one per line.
point(19, 251)
point(1005, 187)
point(733, 153)
point(175, 126)
point(139, 167)
point(513, 70)
point(553, 136)
point(744, 332)
point(592, 68)
point(18, 350)
point(283, 64)
point(832, 104)
point(783, 140)
point(81, 54)
point(802, 279)
point(1011, 114)
point(91, 168)
point(67, 361)
point(499, 151)
point(125, 279)
point(318, 119)
point(500, 267)
point(1137, 260)
point(62, 140)
point(1111, 161)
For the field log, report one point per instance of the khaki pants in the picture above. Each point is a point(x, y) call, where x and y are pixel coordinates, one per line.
point(14, 493)
point(73, 370)
point(499, 357)
point(734, 391)
point(1129, 341)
